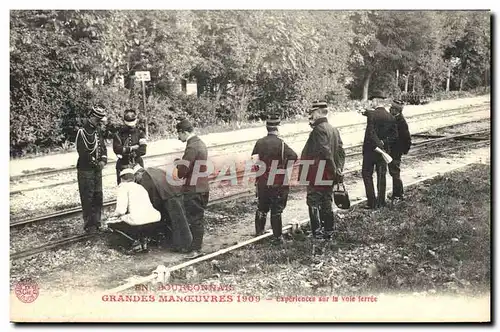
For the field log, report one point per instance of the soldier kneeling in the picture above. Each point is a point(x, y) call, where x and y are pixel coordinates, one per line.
point(135, 217)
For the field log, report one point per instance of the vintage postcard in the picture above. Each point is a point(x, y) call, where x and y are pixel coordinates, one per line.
point(250, 166)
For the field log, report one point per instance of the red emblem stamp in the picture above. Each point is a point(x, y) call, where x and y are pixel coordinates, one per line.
point(27, 291)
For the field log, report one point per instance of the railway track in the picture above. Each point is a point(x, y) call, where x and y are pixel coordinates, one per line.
point(416, 152)
point(110, 203)
point(87, 236)
point(162, 273)
point(110, 172)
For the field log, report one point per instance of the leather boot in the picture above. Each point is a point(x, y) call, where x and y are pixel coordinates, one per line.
point(276, 224)
point(314, 217)
point(260, 222)
point(197, 230)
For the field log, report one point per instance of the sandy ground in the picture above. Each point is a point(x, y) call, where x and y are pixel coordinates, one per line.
point(63, 271)
point(19, 166)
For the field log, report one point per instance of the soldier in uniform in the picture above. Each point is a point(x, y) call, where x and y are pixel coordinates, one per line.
point(195, 195)
point(324, 145)
point(168, 199)
point(92, 157)
point(129, 144)
point(401, 146)
point(381, 132)
point(272, 196)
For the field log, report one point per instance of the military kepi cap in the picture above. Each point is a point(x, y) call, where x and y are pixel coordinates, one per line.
point(318, 105)
point(398, 103)
point(98, 112)
point(130, 115)
point(273, 121)
point(184, 125)
point(126, 171)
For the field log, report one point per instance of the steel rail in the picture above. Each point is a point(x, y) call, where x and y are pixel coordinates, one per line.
point(56, 184)
point(239, 195)
point(444, 114)
point(286, 229)
point(83, 237)
point(77, 210)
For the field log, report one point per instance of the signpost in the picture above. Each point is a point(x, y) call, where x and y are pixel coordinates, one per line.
point(144, 76)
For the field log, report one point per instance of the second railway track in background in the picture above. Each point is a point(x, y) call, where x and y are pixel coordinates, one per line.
point(416, 118)
point(416, 153)
point(77, 210)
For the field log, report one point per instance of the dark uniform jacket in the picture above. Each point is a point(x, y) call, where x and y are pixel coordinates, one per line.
point(403, 143)
point(270, 148)
point(324, 143)
point(195, 150)
point(381, 131)
point(168, 199)
point(123, 140)
point(90, 146)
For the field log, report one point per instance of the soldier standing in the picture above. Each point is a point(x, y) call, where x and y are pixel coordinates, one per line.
point(324, 146)
point(400, 147)
point(129, 144)
point(272, 196)
point(381, 132)
point(92, 157)
point(195, 195)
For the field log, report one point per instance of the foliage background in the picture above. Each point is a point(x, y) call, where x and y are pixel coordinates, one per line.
point(246, 63)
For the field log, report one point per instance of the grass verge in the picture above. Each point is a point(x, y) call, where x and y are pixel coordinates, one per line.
point(437, 241)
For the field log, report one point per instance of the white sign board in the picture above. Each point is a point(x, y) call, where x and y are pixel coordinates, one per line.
point(142, 76)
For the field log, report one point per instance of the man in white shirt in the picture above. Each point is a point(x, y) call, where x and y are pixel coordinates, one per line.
point(134, 216)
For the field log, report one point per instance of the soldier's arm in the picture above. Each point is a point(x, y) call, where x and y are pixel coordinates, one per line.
point(393, 134)
point(121, 201)
point(118, 147)
point(142, 144)
point(371, 135)
point(80, 146)
point(289, 153)
point(340, 151)
point(404, 135)
point(104, 150)
point(322, 145)
point(255, 150)
point(189, 155)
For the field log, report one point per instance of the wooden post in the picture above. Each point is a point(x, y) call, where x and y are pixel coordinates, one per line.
point(397, 77)
point(407, 78)
point(145, 113)
point(448, 80)
point(414, 81)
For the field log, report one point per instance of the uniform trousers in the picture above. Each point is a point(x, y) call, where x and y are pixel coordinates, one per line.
point(373, 160)
point(395, 172)
point(319, 202)
point(195, 204)
point(91, 197)
point(272, 198)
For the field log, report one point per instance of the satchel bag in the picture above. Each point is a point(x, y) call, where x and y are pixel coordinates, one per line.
point(341, 197)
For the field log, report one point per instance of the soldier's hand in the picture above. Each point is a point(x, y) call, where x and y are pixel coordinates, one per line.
point(102, 164)
point(134, 147)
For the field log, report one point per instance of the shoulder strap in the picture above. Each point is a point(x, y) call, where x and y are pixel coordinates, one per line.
point(282, 151)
